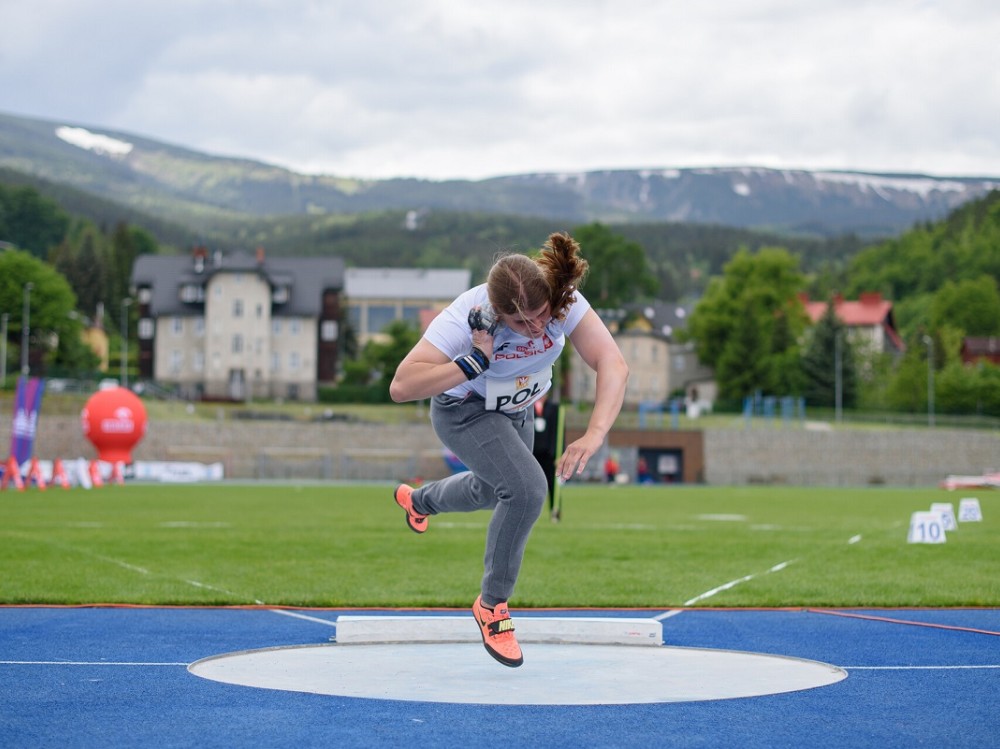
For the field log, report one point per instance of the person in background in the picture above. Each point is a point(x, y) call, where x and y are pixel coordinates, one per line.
point(642, 471)
point(484, 362)
point(545, 445)
point(611, 468)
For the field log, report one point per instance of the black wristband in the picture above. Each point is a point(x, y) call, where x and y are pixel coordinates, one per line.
point(474, 363)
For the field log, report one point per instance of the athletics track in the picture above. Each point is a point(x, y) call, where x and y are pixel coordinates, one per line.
point(119, 677)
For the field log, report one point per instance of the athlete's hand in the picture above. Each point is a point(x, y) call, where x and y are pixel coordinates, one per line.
point(576, 455)
point(482, 331)
point(483, 341)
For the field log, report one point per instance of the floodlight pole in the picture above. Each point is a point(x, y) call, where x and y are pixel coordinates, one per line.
point(838, 383)
point(124, 358)
point(930, 380)
point(3, 348)
point(26, 329)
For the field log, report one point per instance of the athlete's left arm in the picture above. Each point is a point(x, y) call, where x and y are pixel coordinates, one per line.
point(593, 341)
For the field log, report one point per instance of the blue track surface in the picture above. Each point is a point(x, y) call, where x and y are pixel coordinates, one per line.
point(99, 677)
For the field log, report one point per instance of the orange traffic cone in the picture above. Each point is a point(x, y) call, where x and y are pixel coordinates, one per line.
point(35, 474)
point(95, 474)
point(12, 474)
point(59, 474)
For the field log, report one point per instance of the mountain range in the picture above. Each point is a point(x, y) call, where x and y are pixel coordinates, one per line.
point(173, 183)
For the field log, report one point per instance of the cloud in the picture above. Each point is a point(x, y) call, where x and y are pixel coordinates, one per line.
point(441, 88)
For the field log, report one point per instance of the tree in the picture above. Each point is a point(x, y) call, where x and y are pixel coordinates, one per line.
point(51, 310)
point(30, 221)
point(820, 363)
point(749, 322)
point(956, 389)
point(99, 267)
point(89, 279)
point(619, 271)
point(127, 243)
point(384, 356)
point(742, 367)
point(912, 314)
point(82, 260)
point(907, 390)
point(971, 305)
point(965, 245)
point(786, 376)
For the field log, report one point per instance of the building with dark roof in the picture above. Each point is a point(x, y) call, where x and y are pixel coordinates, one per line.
point(239, 326)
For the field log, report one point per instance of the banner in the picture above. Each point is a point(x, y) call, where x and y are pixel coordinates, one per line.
point(26, 406)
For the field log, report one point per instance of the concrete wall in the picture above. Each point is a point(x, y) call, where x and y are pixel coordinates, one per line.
point(861, 457)
point(337, 450)
point(266, 449)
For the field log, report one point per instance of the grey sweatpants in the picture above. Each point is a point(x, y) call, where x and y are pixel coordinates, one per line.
point(503, 476)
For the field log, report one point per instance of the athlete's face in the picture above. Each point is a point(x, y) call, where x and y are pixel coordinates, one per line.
point(529, 323)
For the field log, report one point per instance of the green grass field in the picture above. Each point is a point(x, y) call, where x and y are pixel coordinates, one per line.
point(619, 546)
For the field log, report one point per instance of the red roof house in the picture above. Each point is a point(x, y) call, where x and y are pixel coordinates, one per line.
point(869, 320)
point(981, 349)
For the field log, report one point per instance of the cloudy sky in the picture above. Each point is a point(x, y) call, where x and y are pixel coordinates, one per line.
point(478, 88)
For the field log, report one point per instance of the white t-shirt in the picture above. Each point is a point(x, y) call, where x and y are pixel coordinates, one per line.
point(520, 369)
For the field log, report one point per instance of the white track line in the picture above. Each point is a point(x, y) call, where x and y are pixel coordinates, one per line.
point(87, 663)
point(733, 583)
point(914, 668)
point(131, 567)
point(109, 560)
point(667, 615)
point(185, 665)
point(206, 586)
point(295, 615)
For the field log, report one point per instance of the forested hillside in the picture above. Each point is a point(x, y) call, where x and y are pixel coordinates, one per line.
point(942, 280)
point(683, 256)
point(951, 257)
point(85, 206)
point(941, 277)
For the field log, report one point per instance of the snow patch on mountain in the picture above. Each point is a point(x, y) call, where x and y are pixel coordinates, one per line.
point(100, 144)
point(922, 186)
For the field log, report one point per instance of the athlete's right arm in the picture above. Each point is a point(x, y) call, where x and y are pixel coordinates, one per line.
point(423, 373)
point(426, 371)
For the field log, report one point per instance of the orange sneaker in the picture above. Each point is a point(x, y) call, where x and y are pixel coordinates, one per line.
point(498, 633)
point(403, 497)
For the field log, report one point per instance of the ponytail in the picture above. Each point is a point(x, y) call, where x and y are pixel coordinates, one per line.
point(564, 270)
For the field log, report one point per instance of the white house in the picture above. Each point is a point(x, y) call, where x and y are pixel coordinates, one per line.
point(238, 326)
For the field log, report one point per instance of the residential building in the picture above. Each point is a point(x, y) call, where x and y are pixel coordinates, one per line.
point(869, 321)
point(648, 357)
point(977, 349)
point(376, 297)
point(695, 379)
point(659, 367)
point(238, 326)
